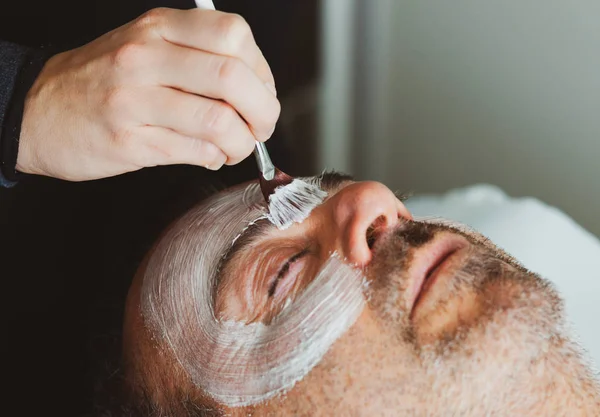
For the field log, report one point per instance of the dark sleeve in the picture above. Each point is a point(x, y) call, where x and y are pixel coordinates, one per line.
point(19, 67)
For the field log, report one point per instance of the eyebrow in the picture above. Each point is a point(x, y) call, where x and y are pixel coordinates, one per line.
point(330, 180)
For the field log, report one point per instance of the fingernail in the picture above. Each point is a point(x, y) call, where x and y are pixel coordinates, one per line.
point(214, 167)
point(218, 163)
point(272, 88)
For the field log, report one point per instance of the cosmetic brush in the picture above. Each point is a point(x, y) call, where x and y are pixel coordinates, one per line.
point(290, 200)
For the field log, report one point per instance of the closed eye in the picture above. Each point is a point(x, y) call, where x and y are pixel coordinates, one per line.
point(284, 270)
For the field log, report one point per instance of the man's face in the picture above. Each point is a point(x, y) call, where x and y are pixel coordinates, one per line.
point(450, 325)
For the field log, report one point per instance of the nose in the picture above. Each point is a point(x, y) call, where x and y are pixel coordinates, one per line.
point(357, 211)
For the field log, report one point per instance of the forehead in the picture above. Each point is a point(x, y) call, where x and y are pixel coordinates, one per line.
point(244, 204)
point(229, 212)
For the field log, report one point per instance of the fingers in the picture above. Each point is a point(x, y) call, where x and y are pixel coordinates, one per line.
point(202, 81)
point(211, 31)
point(211, 121)
point(154, 146)
point(224, 78)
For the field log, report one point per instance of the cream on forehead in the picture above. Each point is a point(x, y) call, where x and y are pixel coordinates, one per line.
point(235, 363)
point(293, 202)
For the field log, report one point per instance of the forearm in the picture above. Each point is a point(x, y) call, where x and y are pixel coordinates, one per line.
point(19, 66)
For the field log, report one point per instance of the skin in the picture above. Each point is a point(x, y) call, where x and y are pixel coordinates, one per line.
point(487, 337)
point(171, 87)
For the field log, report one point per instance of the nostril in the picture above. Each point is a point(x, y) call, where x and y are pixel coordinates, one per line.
point(374, 231)
point(371, 238)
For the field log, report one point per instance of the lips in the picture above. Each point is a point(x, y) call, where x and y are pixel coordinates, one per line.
point(432, 263)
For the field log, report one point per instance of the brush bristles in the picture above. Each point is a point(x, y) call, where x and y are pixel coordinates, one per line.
point(268, 186)
point(293, 203)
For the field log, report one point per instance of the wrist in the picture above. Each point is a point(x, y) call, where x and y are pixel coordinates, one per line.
point(25, 159)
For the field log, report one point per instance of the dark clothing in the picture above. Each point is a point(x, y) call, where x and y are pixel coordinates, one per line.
point(22, 66)
point(12, 59)
point(68, 250)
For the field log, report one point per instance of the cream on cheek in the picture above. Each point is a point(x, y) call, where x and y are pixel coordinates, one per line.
point(240, 364)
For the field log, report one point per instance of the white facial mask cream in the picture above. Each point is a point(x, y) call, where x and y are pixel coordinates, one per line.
point(292, 203)
point(235, 363)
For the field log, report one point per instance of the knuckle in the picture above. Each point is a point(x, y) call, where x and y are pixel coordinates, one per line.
point(218, 118)
point(152, 19)
point(228, 70)
point(234, 30)
point(128, 55)
point(117, 99)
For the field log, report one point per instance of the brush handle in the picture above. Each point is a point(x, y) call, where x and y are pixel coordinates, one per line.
point(263, 160)
point(205, 4)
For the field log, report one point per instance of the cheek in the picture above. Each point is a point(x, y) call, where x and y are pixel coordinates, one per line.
point(232, 298)
point(228, 306)
point(362, 374)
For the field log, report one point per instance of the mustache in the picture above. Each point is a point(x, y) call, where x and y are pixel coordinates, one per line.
point(406, 235)
point(416, 233)
point(393, 251)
